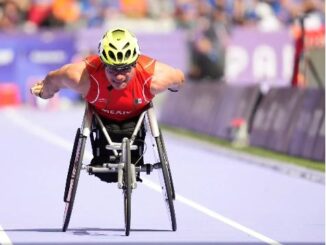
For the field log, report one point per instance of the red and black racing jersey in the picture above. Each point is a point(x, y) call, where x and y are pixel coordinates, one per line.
point(119, 105)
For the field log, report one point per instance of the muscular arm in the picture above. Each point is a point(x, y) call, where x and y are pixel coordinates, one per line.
point(166, 77)
point(72, 76)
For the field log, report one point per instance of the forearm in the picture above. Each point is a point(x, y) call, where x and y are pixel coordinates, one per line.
point(72, 76)
point(173, 81)
point(177, 80)
point(166, 77)
point(51, 84)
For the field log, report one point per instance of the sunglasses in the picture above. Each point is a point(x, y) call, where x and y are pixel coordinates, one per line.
point(119, 69)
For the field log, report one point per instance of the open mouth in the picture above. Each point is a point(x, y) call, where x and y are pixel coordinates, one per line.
point(118, 83)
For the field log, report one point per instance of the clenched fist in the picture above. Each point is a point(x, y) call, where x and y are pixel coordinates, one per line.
point(37, 89)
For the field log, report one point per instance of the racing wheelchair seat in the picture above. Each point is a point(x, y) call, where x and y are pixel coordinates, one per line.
point(120, 162)
point(116, 131)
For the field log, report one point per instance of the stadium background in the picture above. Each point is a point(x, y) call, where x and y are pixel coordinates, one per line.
point(255, 69)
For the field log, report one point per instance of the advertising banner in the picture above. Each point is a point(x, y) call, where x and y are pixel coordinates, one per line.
point(209, 107)
point(272, 122)
point(172, 109)
point(318, 152)
point(262, 120)
point(287, 103)
point(32, 56)
point(237, 102)
point(255, 57)
point(194, 107)
point(316, 124)
point(302, 123)
point(8, 57)
point(287, 120)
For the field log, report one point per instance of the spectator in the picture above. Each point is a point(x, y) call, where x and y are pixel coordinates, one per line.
point(94, 12)
point(11, 15)
point(242, 12)
point(205, 53)
point(134, 8)
point(206, 41)
point(39, 14)
point(268, 21)
point(60, 11)
point(158, 9)
point(186, 13)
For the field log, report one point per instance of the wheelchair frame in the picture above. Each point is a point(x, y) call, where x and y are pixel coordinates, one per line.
point(125, 169)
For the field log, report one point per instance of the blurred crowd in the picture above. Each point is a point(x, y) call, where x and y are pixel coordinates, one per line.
point(185, 13)
point(207, 22)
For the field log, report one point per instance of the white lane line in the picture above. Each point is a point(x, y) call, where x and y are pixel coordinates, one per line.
point(41, 132)
point(213, 214)
point(4, 239)
point(61, 142)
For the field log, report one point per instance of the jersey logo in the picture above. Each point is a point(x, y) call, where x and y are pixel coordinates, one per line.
point(116, 112)
point(138, 101)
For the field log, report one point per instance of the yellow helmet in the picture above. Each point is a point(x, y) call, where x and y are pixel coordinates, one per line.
point(118, 47)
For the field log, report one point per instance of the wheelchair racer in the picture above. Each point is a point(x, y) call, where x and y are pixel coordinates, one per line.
point(119, 83)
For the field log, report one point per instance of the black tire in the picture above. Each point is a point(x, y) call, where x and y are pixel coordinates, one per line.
point(127, 185)
point(73, 177)
point(166, 186)
point(167, 164)
point(71, 164)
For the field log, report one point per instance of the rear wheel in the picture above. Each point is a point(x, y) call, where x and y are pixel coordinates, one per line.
point(73, 176)
point(167, 164)
point(127, 184)
point(166, 183)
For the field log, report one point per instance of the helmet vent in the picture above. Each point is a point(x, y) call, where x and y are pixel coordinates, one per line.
point(128, 53)
point(126, 45)
point(112, 46)
point(135, 53)
point(104, 54)
point(112, 56)
point(120, 56)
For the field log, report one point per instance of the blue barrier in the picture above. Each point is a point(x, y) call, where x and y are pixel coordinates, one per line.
point(290, 121)
point(285, 102)
point(318, 152)
point(308, 124)
point(286, 120)
point(210, 107)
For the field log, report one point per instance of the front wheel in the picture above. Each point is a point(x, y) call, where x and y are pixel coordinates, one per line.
point(126, 156)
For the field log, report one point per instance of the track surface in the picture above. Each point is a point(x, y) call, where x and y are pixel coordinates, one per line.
point(220, 199)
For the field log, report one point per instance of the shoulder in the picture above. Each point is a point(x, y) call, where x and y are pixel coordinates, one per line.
point(146, 63)
point(144, 59)
point(93, 63)
point(74, 68)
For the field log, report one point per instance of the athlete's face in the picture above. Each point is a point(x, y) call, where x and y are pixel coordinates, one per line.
point(119, 78)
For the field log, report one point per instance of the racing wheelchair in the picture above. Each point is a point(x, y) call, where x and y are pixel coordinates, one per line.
point(122, 166)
